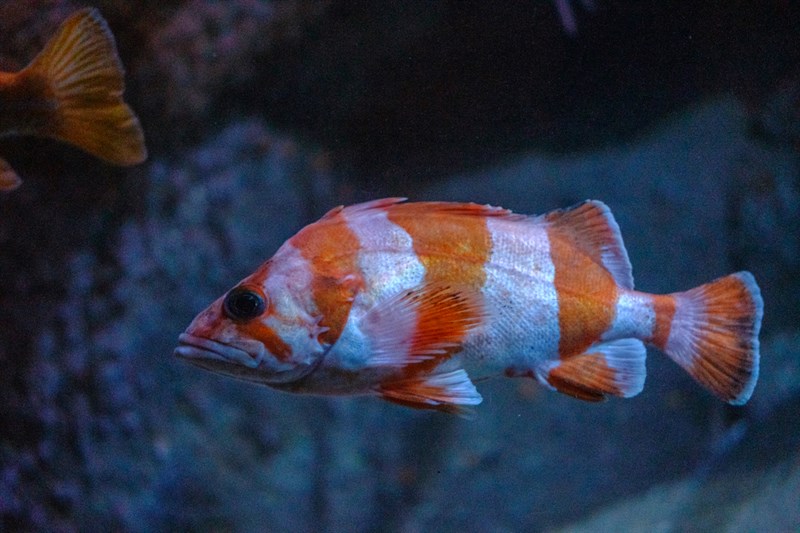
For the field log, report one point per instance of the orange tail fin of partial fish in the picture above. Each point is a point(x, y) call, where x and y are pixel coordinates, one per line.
point(8, 178)
point(712, 332)
point(85, 75)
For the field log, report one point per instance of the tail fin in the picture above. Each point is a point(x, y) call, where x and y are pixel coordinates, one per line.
point(713, 334)
point(83, 70)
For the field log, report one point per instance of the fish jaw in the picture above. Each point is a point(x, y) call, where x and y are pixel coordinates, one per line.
point(195, 349)
point(249, 360)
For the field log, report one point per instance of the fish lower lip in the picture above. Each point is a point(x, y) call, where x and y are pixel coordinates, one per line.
point(193, 348)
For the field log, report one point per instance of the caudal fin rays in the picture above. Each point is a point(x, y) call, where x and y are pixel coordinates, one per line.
point(86, 78)
point(714, 335)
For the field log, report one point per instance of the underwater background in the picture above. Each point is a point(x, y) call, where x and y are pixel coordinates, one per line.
point(261, 115)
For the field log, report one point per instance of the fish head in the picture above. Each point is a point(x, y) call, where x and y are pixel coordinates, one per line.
point(257, 331)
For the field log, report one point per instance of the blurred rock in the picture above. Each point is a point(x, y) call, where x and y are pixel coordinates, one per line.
point(98, 428)
point(26, 27)
point(779, 378)
point(203, 61)
point(675, 240)
point(757, 488)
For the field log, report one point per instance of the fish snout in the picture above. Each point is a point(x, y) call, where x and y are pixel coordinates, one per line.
point(194, 348)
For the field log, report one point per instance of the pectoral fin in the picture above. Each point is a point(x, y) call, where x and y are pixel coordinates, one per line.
point(420, 324)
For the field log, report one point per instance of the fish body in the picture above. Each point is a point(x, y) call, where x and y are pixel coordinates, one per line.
point(72, 91)
point(410, 301)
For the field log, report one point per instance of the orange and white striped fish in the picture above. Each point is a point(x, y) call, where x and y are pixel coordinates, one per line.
point(72, 91)
point(406, 300)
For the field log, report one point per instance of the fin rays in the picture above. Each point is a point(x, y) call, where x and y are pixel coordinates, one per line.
point(714, 335)
point(591, 227)
point(613, 368)
point(420, 324)
point(86, 77)
point(447, 391)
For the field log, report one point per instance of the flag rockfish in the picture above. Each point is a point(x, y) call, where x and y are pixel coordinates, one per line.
point(72, 91)
point(402, 300)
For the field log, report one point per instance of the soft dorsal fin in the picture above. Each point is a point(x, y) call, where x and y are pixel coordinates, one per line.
point(591, 227)
point(419, 324)
point(447, 391)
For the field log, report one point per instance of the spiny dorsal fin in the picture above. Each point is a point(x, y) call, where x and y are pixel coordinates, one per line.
point(420, 324)
point(83, 70)
point(590, 227)
point(398, 206)
point(362, 207)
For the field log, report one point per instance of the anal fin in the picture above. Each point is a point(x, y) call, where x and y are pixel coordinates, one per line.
point(613, 368)
point(448, 391)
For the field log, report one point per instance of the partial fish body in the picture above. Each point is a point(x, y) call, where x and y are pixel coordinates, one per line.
point(72, 91)
point(407, 300)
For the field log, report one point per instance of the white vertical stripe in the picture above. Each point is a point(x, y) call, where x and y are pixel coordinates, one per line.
point(690, 313)
point(634, 317)
point(388, 266)
point(387, 259)
point(522, 304)
point(288, 286)
point(290, 272)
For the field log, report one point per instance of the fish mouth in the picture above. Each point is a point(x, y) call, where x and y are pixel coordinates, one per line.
point(196, 349)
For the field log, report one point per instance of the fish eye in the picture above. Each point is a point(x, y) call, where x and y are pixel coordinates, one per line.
point(243, 303)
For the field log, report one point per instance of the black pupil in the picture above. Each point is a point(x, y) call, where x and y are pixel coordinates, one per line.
point(242, 304)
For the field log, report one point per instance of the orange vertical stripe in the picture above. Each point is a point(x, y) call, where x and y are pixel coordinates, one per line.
point(331, 249)
point(257, 330)
point(587, 295)
point(453, 243)
point(664, 306)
